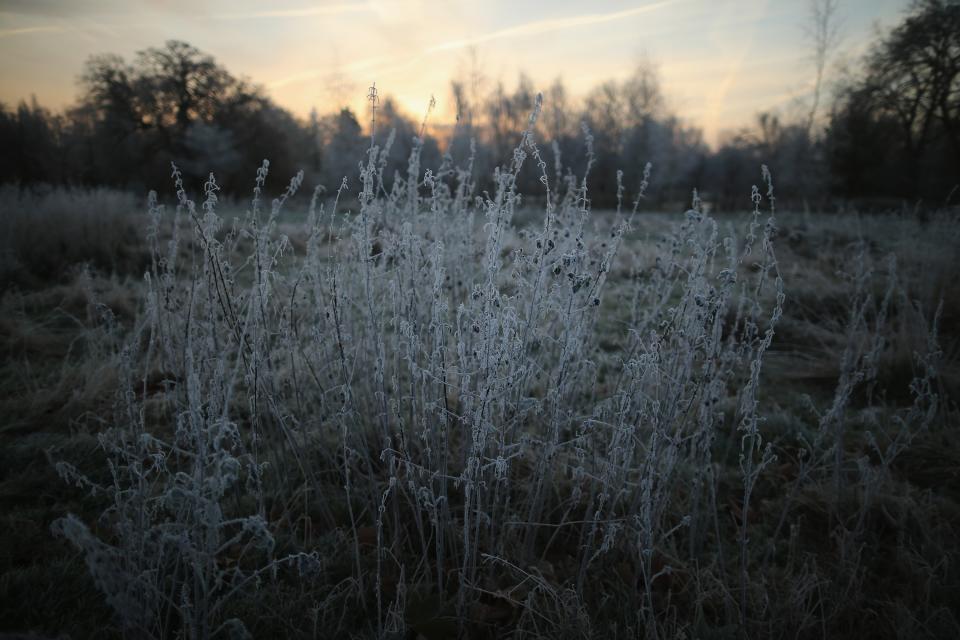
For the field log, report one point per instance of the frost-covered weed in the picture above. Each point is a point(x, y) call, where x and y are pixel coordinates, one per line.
point(434, 399)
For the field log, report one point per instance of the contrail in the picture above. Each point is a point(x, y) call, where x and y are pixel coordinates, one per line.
point(18, 32)
point(531, 28)
point(327, 10)
point(556, 24)
point(716, 99)
point(313, 74)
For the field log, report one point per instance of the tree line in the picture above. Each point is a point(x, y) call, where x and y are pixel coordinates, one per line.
point(891, 133)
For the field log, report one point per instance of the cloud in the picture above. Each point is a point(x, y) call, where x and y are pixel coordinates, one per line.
point(553, 24)
point(6, 33)
point(325, 10)
point(68, 9)
point(32, 7)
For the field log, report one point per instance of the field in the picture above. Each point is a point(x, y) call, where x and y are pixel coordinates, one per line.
point(411, 410)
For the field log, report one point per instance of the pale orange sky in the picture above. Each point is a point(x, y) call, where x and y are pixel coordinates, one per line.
point(720, 61)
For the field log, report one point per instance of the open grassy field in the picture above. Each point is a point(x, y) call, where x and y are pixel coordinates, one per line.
point(411, 410)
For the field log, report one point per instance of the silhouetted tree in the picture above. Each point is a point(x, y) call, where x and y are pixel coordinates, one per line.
point(32, 141)
point(344, 148)
point(908, 97)
point(175, 103)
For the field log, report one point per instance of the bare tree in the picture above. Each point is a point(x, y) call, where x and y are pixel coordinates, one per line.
point(914, 76)
point(642, 92)
point(338, 86)
point(897, 129)
point(555, 112)
point(824, 33)
point(468, 87)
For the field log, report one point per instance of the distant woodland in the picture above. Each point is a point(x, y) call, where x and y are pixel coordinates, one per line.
point(886, 134)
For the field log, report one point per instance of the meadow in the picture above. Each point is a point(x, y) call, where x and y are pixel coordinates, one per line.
point(408, 408)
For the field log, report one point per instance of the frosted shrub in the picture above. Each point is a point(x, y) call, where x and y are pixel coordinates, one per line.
point(177, 551)
point(425, 398)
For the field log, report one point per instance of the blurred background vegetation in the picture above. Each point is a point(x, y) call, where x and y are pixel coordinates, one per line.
point(886, 134)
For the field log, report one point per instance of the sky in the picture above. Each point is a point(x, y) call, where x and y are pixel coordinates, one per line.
point(720, 61)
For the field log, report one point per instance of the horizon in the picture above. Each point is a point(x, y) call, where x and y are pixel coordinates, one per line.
point(719, 63)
